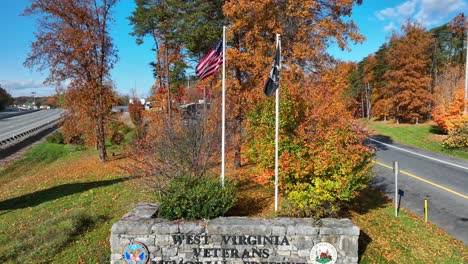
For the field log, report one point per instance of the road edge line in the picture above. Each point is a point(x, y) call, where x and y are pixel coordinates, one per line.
point(424, 156)
point(424, 180)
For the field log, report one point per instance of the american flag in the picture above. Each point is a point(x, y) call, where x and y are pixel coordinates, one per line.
point(210, 63)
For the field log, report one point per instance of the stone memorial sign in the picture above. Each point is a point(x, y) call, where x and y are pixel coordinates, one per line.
point(141, 238)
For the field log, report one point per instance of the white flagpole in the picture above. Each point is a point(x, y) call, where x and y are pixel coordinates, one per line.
point(223, 129)
point(278, 45)
point(465, 112)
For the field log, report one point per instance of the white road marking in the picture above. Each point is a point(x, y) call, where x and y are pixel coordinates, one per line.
point(423, 180)
point(421, 155)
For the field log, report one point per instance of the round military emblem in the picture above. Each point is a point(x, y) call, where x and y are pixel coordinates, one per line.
point(323, 253)
point(135, 253)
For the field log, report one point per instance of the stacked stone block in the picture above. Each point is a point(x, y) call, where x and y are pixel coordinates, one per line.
point(301, 233)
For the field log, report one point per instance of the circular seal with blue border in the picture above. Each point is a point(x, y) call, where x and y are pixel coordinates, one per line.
point(323, 253)
point(135, 253)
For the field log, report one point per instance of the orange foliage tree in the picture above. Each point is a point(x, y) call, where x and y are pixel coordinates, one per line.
point(408, 76)
point(73, 44)
point(449, 86)
point(450, 99)
point(136, 109)
point(452, 120)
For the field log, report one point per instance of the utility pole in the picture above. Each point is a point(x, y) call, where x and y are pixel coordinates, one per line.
point(167, 77)
point(34, 98)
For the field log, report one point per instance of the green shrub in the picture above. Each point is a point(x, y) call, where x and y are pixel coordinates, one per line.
point(57, 138)
point(196, 198)
point(323, 161)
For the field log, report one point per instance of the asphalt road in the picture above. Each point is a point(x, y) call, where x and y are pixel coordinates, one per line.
point(14, 125)
point(425, 175)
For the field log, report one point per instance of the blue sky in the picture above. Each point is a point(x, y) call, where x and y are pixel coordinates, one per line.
point(375, 19)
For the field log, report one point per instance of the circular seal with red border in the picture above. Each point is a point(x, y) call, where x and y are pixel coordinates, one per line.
point(135, 253)
point(323, 253)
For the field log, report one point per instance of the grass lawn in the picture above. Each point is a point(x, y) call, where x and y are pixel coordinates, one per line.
point(427, 136)
point(59, 208)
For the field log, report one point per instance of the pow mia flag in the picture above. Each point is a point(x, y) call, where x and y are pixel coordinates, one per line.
point(273, 79)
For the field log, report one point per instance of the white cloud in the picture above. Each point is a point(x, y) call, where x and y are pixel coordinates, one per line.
point(407, 8)
point(432, 12)
point(400, 12)
point(26, 87)
point(386, 13)
point(21, 84)
point(390, 27)
point(426, 12)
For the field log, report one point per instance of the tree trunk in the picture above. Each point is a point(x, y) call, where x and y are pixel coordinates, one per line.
point(362, 106)
point(238, 143)
point(168, 87)
point(368, 100)
point(101, 135)
point(238, 127)
point(101, 138)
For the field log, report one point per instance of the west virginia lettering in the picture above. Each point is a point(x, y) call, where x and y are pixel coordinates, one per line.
point(247, 240)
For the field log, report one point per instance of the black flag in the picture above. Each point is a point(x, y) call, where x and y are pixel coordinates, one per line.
point(273, 79)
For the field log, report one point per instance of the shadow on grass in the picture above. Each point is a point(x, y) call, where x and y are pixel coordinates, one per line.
point(436, 130)
point(54, 234)
point(39, 197)
point(364, 241)
point(369, 199)
point(252, 199)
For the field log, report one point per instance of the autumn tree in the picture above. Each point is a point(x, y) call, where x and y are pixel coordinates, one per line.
point(380, 96)
point(441, 63)
point(362, 84)
point(73, 43)
point(136, 108)
point(408, 78)
point(52, 101)
point(5, 98)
